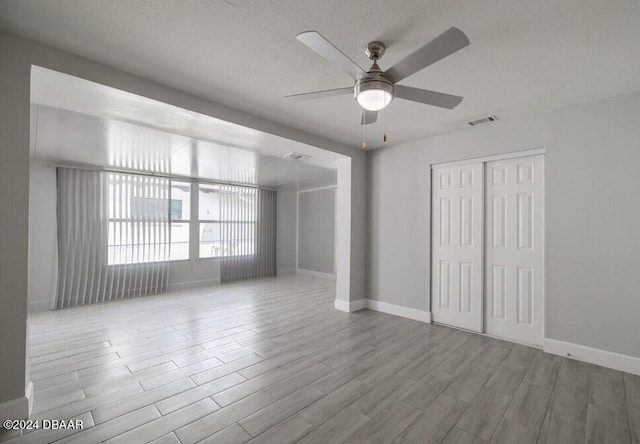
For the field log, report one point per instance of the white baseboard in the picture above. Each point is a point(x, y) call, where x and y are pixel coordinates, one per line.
point(318, 274)
point(29, 396)
point(384, 307)
point(616, 361)
point(399, 310)
point(350, 307)
point(19, 408)
point(192, 284)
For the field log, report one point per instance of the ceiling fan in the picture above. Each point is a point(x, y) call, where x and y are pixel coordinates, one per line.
point(375, 89)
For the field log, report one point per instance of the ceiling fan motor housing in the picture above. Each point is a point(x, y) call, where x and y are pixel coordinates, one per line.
point(375, 50)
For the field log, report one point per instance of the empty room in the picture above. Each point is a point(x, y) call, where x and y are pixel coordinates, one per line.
point(319, 222)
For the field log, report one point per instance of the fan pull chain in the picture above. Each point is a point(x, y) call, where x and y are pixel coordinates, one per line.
point(364, 135)
point(384, 126)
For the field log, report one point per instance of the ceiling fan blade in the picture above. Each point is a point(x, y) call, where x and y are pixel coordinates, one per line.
point(319, 44)
point(320, 94)
point(434, 98)
point(445, 44)
point(368, 117)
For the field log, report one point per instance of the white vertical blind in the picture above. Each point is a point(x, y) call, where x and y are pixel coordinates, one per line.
point(114, 235)
point(113, 232)
point(82, 228)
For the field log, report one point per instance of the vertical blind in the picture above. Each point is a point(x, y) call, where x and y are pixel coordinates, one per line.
point(113, 236)
point(138, 241)
point(248, 233)
point(82, 237)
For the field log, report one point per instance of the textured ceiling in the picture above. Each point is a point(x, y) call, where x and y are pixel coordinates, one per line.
point(524, 57)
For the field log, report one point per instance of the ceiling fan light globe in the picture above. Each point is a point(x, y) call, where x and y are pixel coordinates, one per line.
point(373, 95)
point(374, 99)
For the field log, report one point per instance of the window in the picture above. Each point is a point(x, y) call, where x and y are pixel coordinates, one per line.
point(180, 214)
point(152, 219)
point(209, 221)
point(226, 212)
point(137, 209)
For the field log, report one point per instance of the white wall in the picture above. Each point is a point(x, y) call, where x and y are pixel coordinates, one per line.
point(592, 214)
point(43, 236)
point(316, 230)
point(286, 232)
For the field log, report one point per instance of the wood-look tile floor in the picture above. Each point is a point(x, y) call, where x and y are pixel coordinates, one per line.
point(271, 361)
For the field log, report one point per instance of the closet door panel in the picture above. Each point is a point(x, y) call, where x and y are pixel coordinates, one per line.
point(514, 255)
point(457, 227)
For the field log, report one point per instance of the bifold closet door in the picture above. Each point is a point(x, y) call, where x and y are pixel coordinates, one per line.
point(456, 263)
point(514, 256)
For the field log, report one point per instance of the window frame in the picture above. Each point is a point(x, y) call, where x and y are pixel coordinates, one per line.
point(187, 221)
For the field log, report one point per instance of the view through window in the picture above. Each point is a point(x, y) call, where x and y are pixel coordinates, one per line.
point(180, 220)
point(151, 219)
point(227, 219)
point(137, 208)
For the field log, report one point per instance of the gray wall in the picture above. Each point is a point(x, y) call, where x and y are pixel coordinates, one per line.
point(14, 223)
point(592, 213)
point(286, 232)
point(17, 55)
point(316, 230)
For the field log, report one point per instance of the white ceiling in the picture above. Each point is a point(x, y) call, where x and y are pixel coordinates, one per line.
point(75, 121)
point(525, 56)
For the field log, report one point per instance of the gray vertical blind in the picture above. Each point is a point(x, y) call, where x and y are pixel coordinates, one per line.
point(113, 236)
point(248, 233)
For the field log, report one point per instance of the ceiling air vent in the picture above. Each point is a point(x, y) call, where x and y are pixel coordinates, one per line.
point(487, 119)
point(296, 156)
